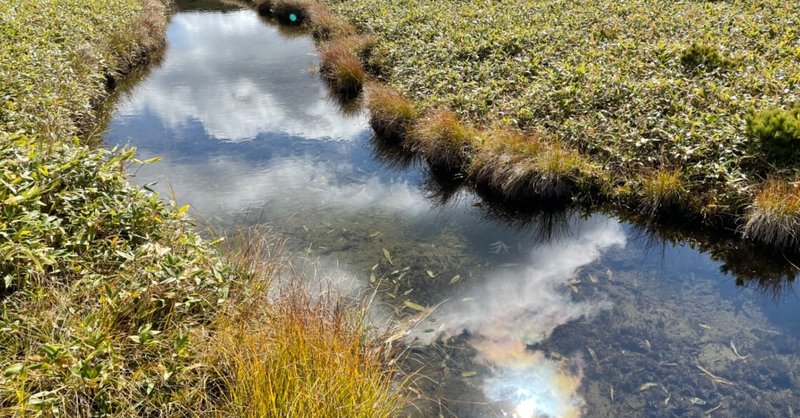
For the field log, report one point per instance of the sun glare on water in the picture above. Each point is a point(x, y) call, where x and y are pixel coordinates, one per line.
point(536, 386)
point(526, 409)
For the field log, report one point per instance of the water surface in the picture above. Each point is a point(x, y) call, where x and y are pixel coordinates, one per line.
point(559, 315)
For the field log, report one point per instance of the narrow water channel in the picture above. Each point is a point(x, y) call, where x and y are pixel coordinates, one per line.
point(559, 315)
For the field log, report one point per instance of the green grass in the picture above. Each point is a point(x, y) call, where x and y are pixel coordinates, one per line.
point(777, 134)
point(634, 86)
point(111, 304)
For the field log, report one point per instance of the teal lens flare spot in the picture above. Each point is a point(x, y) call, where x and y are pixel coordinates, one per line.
point(293, 17)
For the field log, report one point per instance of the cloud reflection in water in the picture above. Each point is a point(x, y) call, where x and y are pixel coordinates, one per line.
point(228, 186)
point(239, 78)
point(513, 308)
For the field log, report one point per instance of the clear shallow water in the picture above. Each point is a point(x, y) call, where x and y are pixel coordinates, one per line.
point(565, 315)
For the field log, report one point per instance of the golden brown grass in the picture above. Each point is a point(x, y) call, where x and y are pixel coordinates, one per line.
point(663, 189)
point(151, 25)
point(340, 66)
point(325, 25)
point(774, 216)
point(301, 357)
point(390, 114)
point(444, 141)
point(280, 351)
point(520, 165)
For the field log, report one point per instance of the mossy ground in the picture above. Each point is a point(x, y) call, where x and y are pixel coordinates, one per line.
point(111, 304)
point(638, 87)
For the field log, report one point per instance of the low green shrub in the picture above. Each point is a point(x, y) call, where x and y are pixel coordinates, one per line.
point(700, 57)
point(776, 134)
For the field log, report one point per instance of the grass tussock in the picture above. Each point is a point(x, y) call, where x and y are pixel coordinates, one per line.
point(390, 114)
point(302, 357)
point(325, 25)
point(774, 216)
point(443, 140)
point(340, 66)
point(664, 190)
point(520, 166)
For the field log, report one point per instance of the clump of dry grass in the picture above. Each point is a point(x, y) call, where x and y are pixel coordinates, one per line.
point(277, 350)
point(662, 190)
point(340, 66)
point(443, 140)
point(151, 26)
point(391, 114)
point(325, 25)
point(303, 358)
point(519, 165)
point(774, 216)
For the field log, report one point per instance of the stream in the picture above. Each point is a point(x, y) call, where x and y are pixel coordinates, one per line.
point(561, 314)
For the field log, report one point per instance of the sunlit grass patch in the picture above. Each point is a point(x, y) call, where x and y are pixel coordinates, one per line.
point(391, 114)
point(443, 140)
point(526, 165)
point(774, 215)
point(102, 282)
point(56, 57)
point(341, 67)
point(303, 357)
point(664, 189)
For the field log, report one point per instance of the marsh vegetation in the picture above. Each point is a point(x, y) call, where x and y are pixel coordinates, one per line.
point(112, 302)
point(648, 93)
point(515, 307)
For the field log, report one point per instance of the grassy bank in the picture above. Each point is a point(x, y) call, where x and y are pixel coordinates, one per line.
point(666, 108)
point(111, 304)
